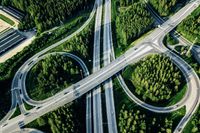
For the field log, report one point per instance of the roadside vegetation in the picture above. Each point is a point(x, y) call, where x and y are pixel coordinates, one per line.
point(67, 119)
point(80, 45)
point(16, 113)
point(132, 118)
point(140, 120)
point(190, 28)
point(170, 40)
point(155, 80)
point(193, 125)
point(131, 20)
point(6, 19)
point(165, 8)
point(51, 75)
point(9, 68)
point(188, 57)
point(47, 13)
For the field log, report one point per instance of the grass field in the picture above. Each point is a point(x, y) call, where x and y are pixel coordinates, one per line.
point(7, 20)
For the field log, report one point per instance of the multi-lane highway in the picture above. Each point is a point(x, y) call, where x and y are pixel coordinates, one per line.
point(108, 85)
point(179, 63)
point(80, 87)
point(96, 93)
point(151, 44)
point(25, 66)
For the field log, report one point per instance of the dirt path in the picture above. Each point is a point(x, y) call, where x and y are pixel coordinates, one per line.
point(3, 25)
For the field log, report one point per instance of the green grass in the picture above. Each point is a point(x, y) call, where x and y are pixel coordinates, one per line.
point(170, 40)
point(16, 113)
point(178, 48)
point(27, 106)
point(188, 128)
point(180, 95)
point(7, 20)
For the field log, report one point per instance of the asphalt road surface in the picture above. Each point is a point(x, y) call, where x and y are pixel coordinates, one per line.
point(151, 44)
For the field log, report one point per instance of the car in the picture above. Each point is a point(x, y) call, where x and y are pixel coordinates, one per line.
point(20, 76)
point(66, 93)
point(5, 124)
point(21, 124)
point(38, 107)
point(27, 113)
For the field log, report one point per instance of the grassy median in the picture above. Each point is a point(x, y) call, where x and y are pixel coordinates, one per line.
point(7, 20)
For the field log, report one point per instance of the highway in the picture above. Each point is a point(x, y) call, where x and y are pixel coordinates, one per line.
point(96, 92)
point(16, 78)
point(168, 109)
point(175, 34)
point(108, 85)
point(80, 87)
point(191, 77)
point(149, 45)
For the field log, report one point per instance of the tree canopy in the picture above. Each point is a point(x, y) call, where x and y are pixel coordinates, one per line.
point(45, 14)
point(136, 120)
point(133, 21)
point(156, 79)
point(51, 75)
point(166, 7)
point(190, 27)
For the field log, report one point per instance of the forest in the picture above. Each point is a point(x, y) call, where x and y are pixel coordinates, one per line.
point(9, 68)
point(51, 75)
point(167, 7)
point(156, 79)
point(133, 20)
point(45, 14)
point(190, 28)
point(137, 120)
point(66, 119)
point(131, 118)
point(42, 41)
